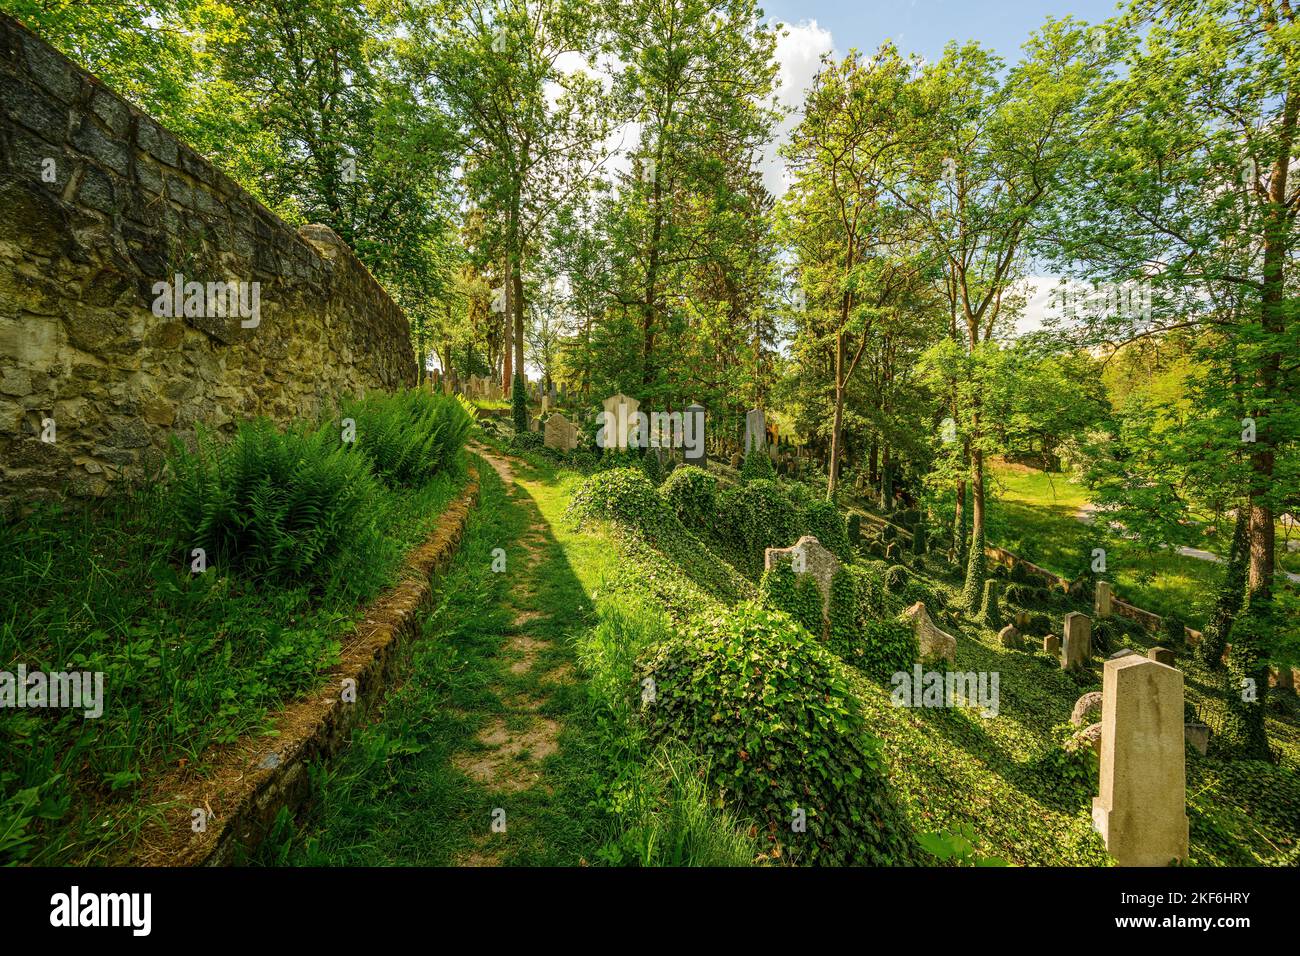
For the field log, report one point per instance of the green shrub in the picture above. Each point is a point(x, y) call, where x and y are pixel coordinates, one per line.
point(271, 504)
point(871, 587)
point(691, 493)
point(528, 441)
point(1021, 595)
point(845, 610)
point(772, 712)
point(782, 589)
point(885, 648)
point(408, 437)
point(652, 467)
point(1175, 630)
point(619, 494)
point(757, 466)
point(823, 521)
point(895, 579)
point(750, 518)
point(976, 562)
point(519, 402)
point(989, 613)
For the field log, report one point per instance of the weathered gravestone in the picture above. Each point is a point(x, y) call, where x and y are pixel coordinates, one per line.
point(1076, 647)
point(807, 556)
point(560, 433)
point(1102, 602)
point(1086, 708)
point(932, 643)
point(1141, 810)
point(755, 430)
point(1009, 637)
point(1052, 644)
point(1161, 655)
point(619, 423)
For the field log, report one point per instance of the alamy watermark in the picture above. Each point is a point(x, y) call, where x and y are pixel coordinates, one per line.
point(209, 300)
point(921, 688)
point(76, 690)
point(627, 427)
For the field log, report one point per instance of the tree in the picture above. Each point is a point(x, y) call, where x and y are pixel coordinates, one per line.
point(1196, 201)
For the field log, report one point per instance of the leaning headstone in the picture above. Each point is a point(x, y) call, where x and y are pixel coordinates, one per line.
point(1052, 644)
point(560, 433)
point(1022, 620)
point(620, 421)
point(1076, 647)
point(755, 430)
point(1101, 604)
point(932, 643)
point(807, 555)
point(1122, 652)
point(1009, 636)
point(1161, 655)
point(1141, 809)
point(1086, 708)
point(1198, 735)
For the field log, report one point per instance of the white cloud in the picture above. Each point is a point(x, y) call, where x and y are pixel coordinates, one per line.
point(798, 55)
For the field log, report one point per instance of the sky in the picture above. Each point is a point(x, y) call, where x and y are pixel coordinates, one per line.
point(915, 26)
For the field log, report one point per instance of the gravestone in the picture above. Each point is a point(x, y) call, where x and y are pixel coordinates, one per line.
point(1086, 708)
point(1009, 636)
point(755, 430)
point(1076, 647)
point(1022, 620)
point(1141, 810)
point(1052, 644)
point(1198, 735)
point(560, 433)
point(807, 555)
point(933, 643)
point(620, 420)
point(546, 404)
point(1101, 604)
point(1089, 736)
point(694, 431)
point(535, 424)
point(1161, 655)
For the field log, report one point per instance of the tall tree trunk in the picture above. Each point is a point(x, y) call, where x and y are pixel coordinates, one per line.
point(837, 424)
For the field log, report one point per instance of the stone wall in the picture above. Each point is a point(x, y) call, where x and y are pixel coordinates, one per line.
point(99, 204)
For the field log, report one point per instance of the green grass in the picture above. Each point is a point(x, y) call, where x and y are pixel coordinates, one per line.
point(401, 795)
point(1033, 514)
point(189, 660)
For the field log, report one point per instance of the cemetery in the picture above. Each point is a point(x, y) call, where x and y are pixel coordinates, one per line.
point(683, 522)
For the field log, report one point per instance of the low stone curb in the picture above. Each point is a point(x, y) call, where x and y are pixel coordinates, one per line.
point(250, 781)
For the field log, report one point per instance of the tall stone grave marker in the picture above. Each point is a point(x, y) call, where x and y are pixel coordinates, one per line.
point(1141, 810)
point(755, 430)
point(1076, 647)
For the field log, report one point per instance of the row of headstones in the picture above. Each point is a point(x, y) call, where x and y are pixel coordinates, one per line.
point(1140, 810)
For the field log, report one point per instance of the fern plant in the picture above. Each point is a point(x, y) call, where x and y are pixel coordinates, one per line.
point(271, 504)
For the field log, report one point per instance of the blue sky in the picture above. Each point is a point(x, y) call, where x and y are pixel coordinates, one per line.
point(925, 26)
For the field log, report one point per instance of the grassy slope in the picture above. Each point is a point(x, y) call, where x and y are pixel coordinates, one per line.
point(188, 660)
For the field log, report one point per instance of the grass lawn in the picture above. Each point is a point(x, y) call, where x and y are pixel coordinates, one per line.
point(1033, 513)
